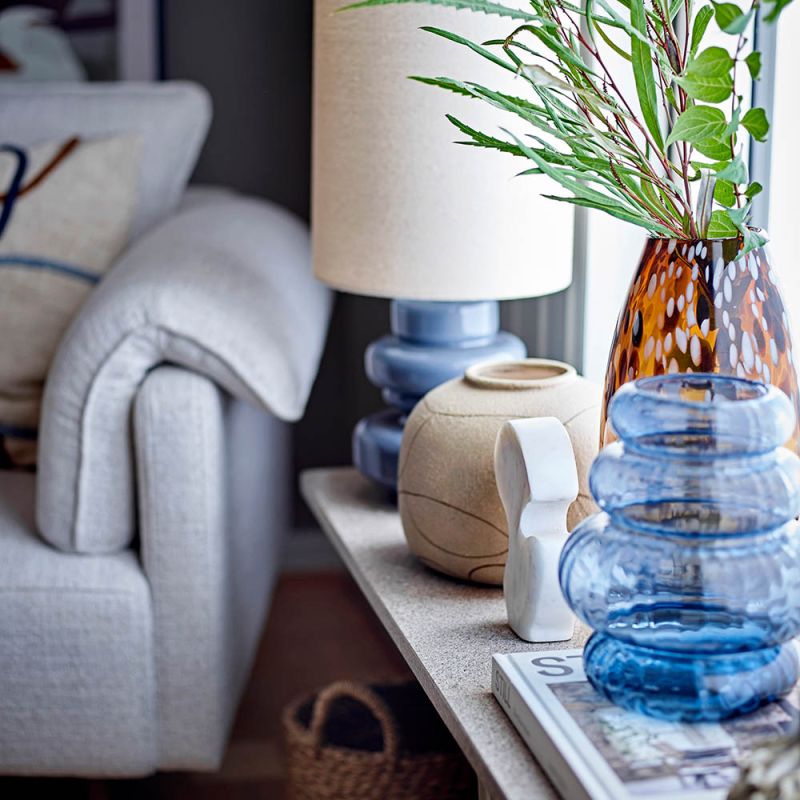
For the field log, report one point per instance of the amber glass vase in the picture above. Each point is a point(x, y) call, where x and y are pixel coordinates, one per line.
point(693, 306)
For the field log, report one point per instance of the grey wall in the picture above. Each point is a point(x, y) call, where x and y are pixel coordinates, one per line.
point(254, 57)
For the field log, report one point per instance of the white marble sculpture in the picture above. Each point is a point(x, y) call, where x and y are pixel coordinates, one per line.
point(537, 481)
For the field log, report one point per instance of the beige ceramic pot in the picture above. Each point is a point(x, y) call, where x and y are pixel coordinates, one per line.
point(452, 515)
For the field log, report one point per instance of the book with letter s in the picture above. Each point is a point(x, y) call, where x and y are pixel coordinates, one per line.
point(594, 750)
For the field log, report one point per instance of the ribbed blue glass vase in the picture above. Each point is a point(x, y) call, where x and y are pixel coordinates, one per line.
point(690, 575)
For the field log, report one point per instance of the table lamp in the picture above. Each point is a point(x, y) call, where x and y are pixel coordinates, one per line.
point(400, 211)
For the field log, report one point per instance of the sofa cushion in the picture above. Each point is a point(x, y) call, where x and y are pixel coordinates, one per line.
point(77, 684)
point(65, 213)
point(171, 119)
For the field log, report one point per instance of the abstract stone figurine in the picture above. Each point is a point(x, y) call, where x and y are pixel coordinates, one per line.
point(537, 480)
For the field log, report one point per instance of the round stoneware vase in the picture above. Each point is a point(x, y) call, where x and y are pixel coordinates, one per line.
point(447, 496)
point(697, 306)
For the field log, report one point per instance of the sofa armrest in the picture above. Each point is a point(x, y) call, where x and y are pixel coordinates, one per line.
point(213, 481)
point(225, 289)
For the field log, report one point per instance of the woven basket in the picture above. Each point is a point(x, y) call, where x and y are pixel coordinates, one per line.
point(320, 770)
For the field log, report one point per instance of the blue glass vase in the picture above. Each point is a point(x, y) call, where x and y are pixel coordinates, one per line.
point(690, 575)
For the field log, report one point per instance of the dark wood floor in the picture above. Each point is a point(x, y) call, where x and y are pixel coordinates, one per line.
point(320, 629)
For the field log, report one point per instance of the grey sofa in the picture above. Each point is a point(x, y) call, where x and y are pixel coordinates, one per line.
point(136, 566)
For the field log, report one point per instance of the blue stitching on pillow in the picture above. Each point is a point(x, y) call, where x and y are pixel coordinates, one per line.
point(16, 182)
point(16, 432)
point(51, 264)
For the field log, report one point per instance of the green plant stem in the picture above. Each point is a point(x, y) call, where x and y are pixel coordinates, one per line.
point(594, 52)
point(664, 162)
point(687, 16)
point(739, 47)
point(683, 200)
point(662, 219)
point(630, 140)
point(685, 149)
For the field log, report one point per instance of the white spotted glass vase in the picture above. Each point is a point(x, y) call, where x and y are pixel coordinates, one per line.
point(700, 306)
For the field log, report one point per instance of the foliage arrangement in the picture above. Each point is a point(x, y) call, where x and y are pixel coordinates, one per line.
point(636, 159)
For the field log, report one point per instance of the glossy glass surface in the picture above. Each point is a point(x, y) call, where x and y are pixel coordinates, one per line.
point(430, 343)
point(699, 306)
point(691, 572)
point(689, 688)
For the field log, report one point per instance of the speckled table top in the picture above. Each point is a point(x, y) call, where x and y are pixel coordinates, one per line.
point(446, 630)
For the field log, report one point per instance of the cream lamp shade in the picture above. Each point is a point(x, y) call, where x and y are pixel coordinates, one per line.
point(401, 211)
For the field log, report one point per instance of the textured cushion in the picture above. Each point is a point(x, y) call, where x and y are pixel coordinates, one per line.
point(171, 118)
point(77, 689)
point(223, 288)
point(65, 214)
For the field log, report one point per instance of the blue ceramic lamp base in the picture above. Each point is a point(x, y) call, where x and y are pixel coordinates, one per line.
point(430, 343)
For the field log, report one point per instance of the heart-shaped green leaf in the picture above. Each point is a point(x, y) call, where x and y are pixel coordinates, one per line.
point(738, 216)
point(709, 90)
point(708, 76)
point(753, 62)
point(730, 18)
point(735, 171)
point(753, 189)
point(721, 226)
point(753, 239)
point(697, 124)
point(733, 125)
point(756, 123)
point(713, 62)
point(718, 150)
point(724, 193)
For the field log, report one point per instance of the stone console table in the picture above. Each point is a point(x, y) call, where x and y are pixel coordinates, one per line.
point(446, 630)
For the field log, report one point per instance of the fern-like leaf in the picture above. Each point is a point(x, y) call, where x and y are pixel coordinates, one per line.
point(483, 6)
point(480, 139)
